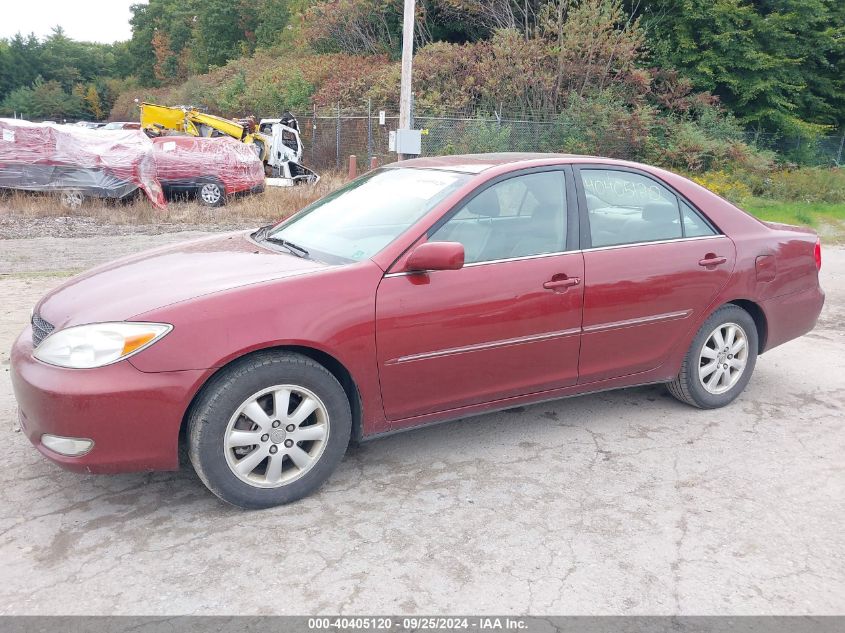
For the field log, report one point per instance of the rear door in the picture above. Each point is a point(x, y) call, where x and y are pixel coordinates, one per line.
point(507, 323)
point(652, 265)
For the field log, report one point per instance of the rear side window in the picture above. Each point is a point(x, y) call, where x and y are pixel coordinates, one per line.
point(694, 224)
point(627, 208)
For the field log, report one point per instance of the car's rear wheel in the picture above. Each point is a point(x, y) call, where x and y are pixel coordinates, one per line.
point(720, 360)
point(269, 430)
point(211, 194)
point(71, 199)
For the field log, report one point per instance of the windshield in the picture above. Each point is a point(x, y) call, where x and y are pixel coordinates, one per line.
point(358, 220)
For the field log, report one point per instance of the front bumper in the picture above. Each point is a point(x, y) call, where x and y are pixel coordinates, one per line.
point(132, 417)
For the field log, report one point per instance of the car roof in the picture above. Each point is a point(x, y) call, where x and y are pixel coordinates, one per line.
point(477, 163)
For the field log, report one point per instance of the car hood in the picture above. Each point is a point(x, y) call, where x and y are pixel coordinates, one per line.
point(153, 279)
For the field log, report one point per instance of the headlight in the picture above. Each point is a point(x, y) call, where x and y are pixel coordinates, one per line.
point(98, 344)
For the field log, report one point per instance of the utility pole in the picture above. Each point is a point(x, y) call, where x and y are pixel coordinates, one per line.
point(407, 68)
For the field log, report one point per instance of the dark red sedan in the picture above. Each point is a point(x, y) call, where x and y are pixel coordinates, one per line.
point(425, 291)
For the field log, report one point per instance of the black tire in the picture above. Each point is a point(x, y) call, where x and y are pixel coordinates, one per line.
point(211, 193)
point(132, 197)
point(226, 392)
point(688, 387)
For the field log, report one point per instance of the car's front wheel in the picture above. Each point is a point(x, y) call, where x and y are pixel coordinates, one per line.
point(211, 194)
point(269, 430)
point(720, 361)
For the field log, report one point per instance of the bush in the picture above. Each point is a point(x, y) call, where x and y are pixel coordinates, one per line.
point(809, 184)
point(729, 186)
point(471, 138)
point(806, 185)
point(603, 125)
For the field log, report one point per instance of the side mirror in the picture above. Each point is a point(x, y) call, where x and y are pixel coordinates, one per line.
point(436, 256)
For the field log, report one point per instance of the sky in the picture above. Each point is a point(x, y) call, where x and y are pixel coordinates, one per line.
point(85, 20)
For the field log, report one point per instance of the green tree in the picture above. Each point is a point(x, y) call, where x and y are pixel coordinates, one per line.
point(60, 59)
point(18, 102)
point(6, 70)
point(162, 20)
point(45, 100)
point(51, 101)
point(777, 64)
point(217, 34)
point(24, 60)
point(172, 38)
point(272, 18)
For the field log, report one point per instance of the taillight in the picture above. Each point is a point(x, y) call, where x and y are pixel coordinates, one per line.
point(817, 254)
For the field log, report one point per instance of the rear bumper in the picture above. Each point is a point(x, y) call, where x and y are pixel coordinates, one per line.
point(793, 315)
point(132, 417)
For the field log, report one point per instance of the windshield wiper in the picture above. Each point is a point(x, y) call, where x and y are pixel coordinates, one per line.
point(293, 248)
point(260, 233)
point(261, 236)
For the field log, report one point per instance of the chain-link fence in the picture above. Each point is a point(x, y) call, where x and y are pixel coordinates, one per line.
point(331, 135)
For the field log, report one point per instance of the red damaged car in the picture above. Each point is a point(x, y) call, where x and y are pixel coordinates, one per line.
point(211, 169)
point(429, 290)
point(79, 163)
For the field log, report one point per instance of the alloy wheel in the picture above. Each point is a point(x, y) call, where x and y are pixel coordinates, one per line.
point(276, 436)
point(723, 358)
point(210, 193)
point(72, 199)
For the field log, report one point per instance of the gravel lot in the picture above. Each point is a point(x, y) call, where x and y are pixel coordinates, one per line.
point(619, 503)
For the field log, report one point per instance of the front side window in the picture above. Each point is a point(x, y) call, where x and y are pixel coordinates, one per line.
point(518, 217)
point(358, 220)
point(627, 208)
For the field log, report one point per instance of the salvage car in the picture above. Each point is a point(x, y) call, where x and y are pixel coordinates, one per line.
point(77, 163)
point(211, 169)
point(122, 125)
point(429, 290)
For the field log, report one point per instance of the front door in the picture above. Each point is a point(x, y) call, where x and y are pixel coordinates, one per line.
point(507, 323)
point(652, 265)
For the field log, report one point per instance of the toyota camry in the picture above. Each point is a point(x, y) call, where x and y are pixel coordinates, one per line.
point(429, 290)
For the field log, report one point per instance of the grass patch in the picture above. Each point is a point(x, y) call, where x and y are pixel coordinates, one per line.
point(41, 274)
point(803, 213)
point(276, 203)
point(825, 217)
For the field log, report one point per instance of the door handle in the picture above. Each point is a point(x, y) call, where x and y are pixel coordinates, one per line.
point(712, 260)
point(561, 282)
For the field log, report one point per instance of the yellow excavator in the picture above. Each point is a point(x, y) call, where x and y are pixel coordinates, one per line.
point(276, 141)
point(157, 119)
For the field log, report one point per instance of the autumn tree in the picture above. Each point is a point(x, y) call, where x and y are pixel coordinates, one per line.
point(92, 102)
